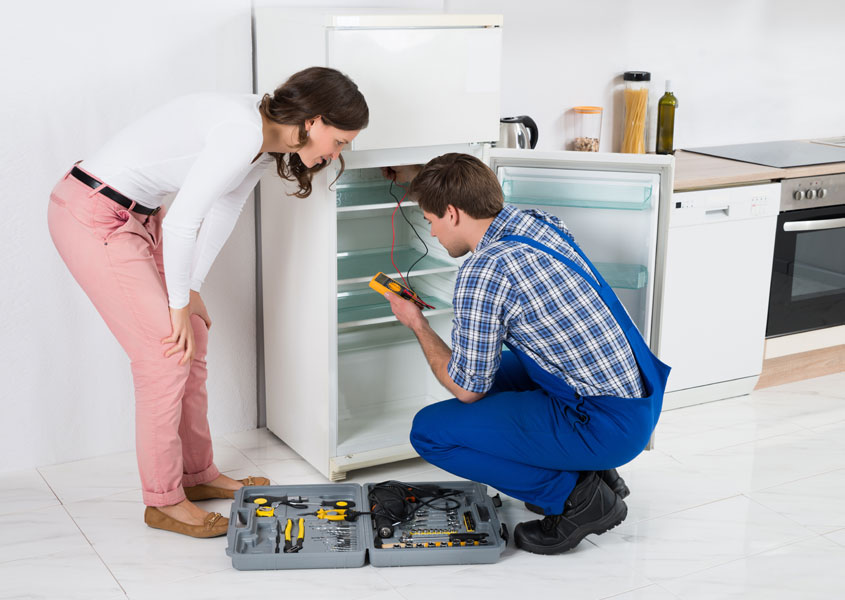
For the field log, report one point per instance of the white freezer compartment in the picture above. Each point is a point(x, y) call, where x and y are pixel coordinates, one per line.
point(612, 216)
point(425, 86)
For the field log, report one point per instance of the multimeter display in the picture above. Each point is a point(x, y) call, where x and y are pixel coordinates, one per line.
point(382, 283)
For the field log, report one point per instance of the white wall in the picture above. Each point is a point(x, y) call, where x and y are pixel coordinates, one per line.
point(743, 70)
point(73, 73)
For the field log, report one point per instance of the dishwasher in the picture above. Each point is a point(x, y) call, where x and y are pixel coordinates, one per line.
point(718, 264)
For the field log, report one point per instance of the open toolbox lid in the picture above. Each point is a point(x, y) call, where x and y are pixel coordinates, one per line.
point(462, 528)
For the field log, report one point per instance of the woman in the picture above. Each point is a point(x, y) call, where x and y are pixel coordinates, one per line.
point(143, 271)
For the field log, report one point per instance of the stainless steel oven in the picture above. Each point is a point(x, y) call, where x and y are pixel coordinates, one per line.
point(808, 272)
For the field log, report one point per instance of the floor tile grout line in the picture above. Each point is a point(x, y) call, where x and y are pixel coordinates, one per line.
point(739, 558)
point(662, 587)
point(797, 480)
point(93, 549)
point(395, 589)
point(830, 539)
point(744, 494)
point(50, 487)
point(641, 587)
point(754, 441)
point(675, 512)
point(383, 578)
point(780, 514)
point(801, 478)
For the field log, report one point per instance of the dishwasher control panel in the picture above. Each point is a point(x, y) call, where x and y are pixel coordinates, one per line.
point(741, 202)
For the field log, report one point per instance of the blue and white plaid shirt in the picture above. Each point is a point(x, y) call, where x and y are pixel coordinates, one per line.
point(509, 291)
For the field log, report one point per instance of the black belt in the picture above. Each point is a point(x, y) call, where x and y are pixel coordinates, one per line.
point(111, 193)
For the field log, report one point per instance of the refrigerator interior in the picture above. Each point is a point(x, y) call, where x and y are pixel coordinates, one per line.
point(383, 377)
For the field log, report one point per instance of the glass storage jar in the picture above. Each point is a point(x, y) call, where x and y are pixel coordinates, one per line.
point(637, 85)
point(587, 128)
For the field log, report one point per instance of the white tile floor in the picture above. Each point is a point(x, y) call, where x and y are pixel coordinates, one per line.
point(741, 499)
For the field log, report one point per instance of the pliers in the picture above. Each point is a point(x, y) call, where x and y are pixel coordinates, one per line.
point(300, 537)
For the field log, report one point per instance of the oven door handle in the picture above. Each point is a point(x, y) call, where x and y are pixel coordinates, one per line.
point(814, 225)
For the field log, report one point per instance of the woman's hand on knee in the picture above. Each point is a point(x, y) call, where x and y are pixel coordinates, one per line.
point(182, 336)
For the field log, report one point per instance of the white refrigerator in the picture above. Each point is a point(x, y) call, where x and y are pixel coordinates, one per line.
point(343, 378)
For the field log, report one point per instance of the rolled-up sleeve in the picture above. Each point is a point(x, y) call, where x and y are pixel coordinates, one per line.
point(480, 324)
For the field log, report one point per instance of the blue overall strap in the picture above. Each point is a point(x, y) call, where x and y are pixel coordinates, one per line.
point(654, 373)
point(597, 282)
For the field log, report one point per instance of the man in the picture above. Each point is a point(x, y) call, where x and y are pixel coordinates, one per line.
point(578, 394)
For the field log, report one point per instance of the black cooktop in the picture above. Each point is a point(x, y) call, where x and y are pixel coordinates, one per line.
point(777, 154)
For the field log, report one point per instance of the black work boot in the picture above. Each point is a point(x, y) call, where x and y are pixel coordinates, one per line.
point(615, 482)
point(610, 477)
point(592, 507)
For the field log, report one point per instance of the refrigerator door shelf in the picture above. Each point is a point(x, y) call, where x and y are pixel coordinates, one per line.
point(621, 191)
point(624, 276)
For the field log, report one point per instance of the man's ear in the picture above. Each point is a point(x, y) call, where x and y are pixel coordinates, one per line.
point(454, 214)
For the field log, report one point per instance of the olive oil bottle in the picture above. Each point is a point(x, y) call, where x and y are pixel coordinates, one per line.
point(666, 121)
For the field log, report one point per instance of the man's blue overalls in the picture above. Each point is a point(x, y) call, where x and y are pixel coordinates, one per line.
point(532, 433)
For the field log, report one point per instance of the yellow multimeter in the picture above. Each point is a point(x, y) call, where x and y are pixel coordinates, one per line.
point(382, 283)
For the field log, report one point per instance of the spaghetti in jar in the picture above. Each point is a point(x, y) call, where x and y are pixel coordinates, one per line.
point(636, 111)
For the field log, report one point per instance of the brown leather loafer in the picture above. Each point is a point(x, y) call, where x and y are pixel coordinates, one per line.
point(215, 524)
point(210, 492)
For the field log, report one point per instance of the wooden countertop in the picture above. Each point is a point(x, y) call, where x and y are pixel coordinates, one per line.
point(699, 171)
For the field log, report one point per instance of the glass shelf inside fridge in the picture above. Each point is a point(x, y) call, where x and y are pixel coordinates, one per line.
point(359, 266)
point(364, 189)
point(369, 195)
point(357, 308)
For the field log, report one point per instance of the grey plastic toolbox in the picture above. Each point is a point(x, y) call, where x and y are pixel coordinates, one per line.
point(468, 531)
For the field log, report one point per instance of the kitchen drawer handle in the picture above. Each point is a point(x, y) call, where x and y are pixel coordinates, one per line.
point(813, 225)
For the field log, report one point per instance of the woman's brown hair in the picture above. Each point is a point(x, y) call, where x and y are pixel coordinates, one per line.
point(306, 94)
